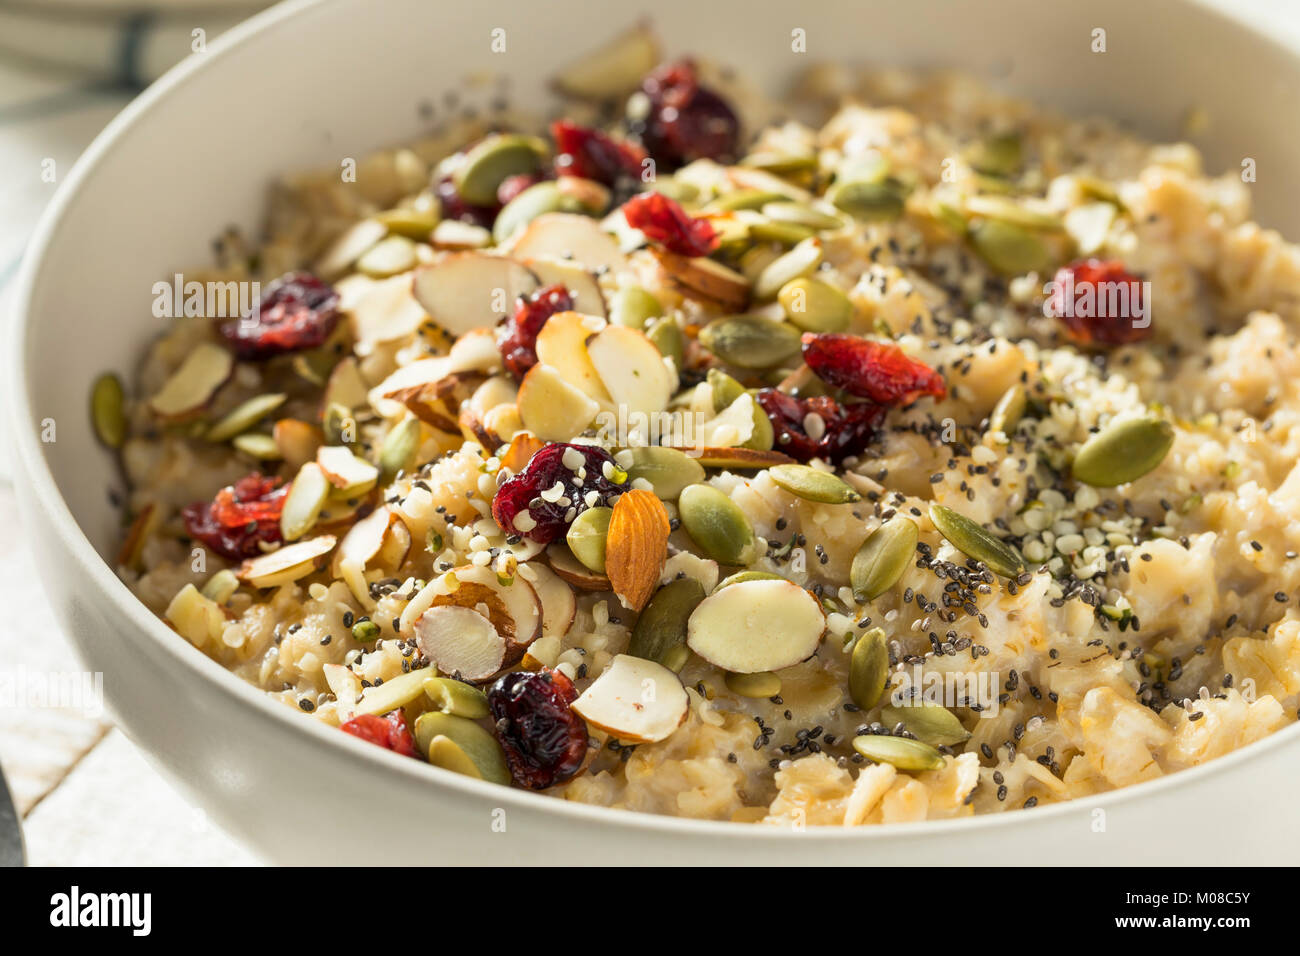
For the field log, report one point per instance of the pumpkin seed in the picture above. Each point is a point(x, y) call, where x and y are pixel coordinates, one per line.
point(740, 577)
point(716, 524)
point(388, 257)
point(245, 416)
point(929, 722)
point(1008, 411)
point(799, 261)
point(801, 214)
point(781, 164)
point(668, 470)
point(751, 341)
point(1005, 209)
point(868, 668)
point(493, 160)
point(782, 233)
point(972, 540)
point(534, 201)
point(471, 739)
point(411, 221)
point(257, 445)
point(586, 537)
point(1009, 248)
point(456, 697)
point(869, 201)
point(446, 753)
point(660, 630)
point(815, 306)
point(759, 685)
point(338, 425)
point(303, 504)
point(997, 155)
point(677, 190)
point(666, 336)
point(108, 410)
point(222, 586)
point(744, 199)
point(1122, 452)
point(882, 558)
point(902, 752)
point(813, 485)
point(633, 306)
point(399, 446)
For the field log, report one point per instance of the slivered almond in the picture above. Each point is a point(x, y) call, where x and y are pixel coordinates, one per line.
point(636, 546)
point(698, 277)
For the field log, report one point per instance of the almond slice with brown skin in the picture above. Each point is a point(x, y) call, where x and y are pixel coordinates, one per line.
point(461, 642)
point(701, 278)
point(636, 546)
point(635, 700)
point(513, 608)
point(521, 451)
point(574, 571)
point(288, 563)
point(470, 290)
point(571, 237)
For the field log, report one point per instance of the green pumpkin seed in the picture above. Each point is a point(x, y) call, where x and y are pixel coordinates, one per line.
point(740, 577)
point(801, 214)
point(471, 739)
point(882, 558)
point(949, 217)
point(399, 446)
point(868, 668)
point(902, 752)
point(446, 753)
point(339, 426)
point(586, 537)
point(660, 630)
point(813, 485)
point(869, 201)
point(783, 233)
point(1098, 189)
point(410, 221)
point(744, 199)
point(1009, 248)
point(972, 540)
point(677, 190)
point(799, 261)
point(634, 307)
point(929, 722)
point(456, 697)
point(536, 200)
point(303, 504)
point(668, 470)
point(1009, 410)
point(760, 685)
point(221, 587)
point(1005, 209)
point(751, 341)
point(108, 410)
point(245, 416)
point(815, 306)
point(716, 524)
point(755, 260)
point(666, 336)
point(257, 445)
point(1122, 452)
point(493, 160)
point(998, 155)
point(388, 257)
point(781, 164)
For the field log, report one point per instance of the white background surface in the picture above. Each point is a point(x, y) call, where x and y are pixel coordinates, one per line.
point(87, 794)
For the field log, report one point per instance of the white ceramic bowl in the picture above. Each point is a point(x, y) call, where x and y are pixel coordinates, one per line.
point(308, 83)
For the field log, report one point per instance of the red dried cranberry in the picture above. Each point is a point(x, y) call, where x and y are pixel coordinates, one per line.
point(522, 493)
point(388, 731)
point(687, 121)
point(544, 741)
point(1100, 302)
point(589, 153)
point(240, 518)
point(297, 311)
point(846, 429)
point(455, 207)
point(519, 344)
point(667, 224)
point(878, 371)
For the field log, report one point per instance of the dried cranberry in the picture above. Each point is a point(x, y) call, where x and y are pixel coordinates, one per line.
point(240, 518)
point(388, 731)
point(687, 121)
point(878, 371)
point(1100, 302)
point(589, 153)
point(522, 493)
point(544, 741)
point(846, 429)
point(667, 224)
point(512, 186)
point(455, 207)
point(297, 311)
point(519, 344)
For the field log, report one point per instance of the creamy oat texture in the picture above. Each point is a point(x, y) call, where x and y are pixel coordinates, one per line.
point(1154, 629)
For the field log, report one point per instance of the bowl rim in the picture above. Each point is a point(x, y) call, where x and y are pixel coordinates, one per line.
point(34, 472)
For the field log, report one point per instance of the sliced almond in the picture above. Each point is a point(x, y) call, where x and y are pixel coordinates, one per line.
point(429, 403)
point(454, 234)
point(562, 344)
point(521, 451)
point(363, 541)
point(613, 70)
point(513, 608)
point(286, 564)
point(346, 688)
point(571, 237)
point(581, 284)
point(351, 244)
point(470, 290)
point(476, 351)
point(636, 546)
point(551, 408)
point(386, 312)
point(349, 474)
point(397, 545)
point(298, 441)
point(701, 278)
point(754, 626)
point(635, 700)
point(632, 370)
point(303, 503)
point(460, 642)
point(569, 568)
point(346, 387)
point(190, 388)
point(558, 602)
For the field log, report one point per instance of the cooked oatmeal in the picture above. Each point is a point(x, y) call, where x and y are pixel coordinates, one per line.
point(927, 455)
